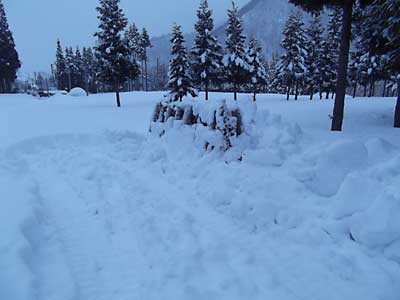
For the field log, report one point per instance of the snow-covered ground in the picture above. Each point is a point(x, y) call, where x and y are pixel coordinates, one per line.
point(94, 207)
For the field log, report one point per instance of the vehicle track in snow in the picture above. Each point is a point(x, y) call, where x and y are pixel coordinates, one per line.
point(119, 223)
point(82, 212)
point(100, 211)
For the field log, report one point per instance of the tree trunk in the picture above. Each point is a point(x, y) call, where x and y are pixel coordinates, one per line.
point(235, 92)
point(288, 93)
point(327, 95)
point(311, 93)
point(142, 74)
point(146, 79)
point(117, 93)
point(255, 93)
point(6, 87)
point(365, 90)
point(2, 91)
point(384, 89)
point(338, 111)
point(296, 92)
point(397, 111)
point(371, 88)
point(355, 90)
point(69, 82)
point(206, 91)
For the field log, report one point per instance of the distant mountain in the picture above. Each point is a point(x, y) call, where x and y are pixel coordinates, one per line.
point(263, 19)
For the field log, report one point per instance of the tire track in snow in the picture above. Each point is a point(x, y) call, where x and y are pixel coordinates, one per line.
point(88, 223)
point(53, 278)
point(42, 252)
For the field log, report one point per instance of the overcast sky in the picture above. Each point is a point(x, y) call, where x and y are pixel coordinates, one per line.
point(38, 23)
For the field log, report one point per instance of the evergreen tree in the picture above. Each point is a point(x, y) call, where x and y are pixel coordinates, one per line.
point(369, 42)
point(274, 84)
point(144, 44)
point(61, 68)
point(180, 82)
point(206, 52)
point(235, 61)
point(112, 53)
point(79, 80)
point(70, 67)
point(85, 69)
point(9, 59)
point(385, 72)
point(133, 41)
point(292, 68)
point(314, 63)
point(387, 19)
point(354, 71)
point(258, 72)
point(332, 44)
point(355, 64)
point(328, 73)
point(160, 77)
point(88, 69)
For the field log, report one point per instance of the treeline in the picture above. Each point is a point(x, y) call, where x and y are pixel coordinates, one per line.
point(310, 61)
point(378, 23)
point(238, 67)
point(315, 58)
point(369, 65)
point(9, 60)
point(81, 67)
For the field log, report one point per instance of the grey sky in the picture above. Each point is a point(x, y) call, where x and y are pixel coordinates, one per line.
point(38, 23)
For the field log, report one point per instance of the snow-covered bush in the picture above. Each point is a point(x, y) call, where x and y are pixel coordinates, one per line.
point(215, 123)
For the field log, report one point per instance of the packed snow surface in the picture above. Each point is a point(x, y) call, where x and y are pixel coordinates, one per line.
point(95, 207)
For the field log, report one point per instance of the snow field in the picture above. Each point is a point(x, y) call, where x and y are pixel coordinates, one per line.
point(96, 208)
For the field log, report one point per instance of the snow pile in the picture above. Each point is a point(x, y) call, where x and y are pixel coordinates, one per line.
point(263, 138)
point(273, 140)
point(206, 126)
point(323, 170)
point(78, 92)
point(369, 204)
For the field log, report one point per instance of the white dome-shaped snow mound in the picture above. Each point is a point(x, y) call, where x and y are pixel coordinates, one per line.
point(78, 92)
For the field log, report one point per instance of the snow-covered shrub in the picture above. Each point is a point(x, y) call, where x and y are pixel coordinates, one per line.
point(223, 120)
point(229, 123)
